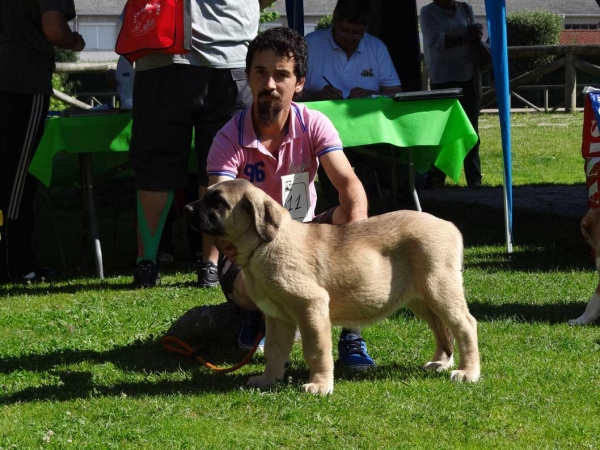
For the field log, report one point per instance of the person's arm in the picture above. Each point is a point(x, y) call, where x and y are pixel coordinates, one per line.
point(353, 199)
point(433, 36)
point(214, 179)
point(57, 31)
point(328, 92)
point(358, 92)
point(390, 90)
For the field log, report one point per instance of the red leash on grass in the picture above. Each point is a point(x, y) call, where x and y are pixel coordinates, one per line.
point(184, 349)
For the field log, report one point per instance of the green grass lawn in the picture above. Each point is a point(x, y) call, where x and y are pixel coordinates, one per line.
point(81, 365)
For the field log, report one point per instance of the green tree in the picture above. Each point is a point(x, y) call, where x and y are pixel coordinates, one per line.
point(268, 16)
point(324, 22)
point(60, 81)
point(532, 28)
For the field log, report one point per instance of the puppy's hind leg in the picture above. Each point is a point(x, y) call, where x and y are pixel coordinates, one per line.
point(279, 339)
point(443, 358)
point(592, 310)
point(452, 309)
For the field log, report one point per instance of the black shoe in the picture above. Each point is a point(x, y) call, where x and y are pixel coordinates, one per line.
point(208, 275)
point(146, 274)
point(39, 274)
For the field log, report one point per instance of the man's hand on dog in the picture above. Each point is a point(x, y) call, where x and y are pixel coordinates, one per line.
point(228, 249)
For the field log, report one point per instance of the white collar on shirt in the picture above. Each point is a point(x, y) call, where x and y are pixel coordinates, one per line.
point(334, 46)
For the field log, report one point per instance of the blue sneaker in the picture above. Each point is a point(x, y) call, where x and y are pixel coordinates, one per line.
point(253, 324)
point(353, 354)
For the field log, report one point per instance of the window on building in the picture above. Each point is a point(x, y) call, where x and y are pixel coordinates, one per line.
point(580, 26)
point(99, 36)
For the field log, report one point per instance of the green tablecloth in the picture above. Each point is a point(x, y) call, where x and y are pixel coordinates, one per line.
point(438, 131)
point(106, 134)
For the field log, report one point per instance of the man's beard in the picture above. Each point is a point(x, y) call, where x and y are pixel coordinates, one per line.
point(268, 111)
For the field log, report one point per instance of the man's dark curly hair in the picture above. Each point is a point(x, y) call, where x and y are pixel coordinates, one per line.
point(353, 11)
point(284, 42)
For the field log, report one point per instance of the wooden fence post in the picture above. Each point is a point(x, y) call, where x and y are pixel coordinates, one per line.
point(570, 82)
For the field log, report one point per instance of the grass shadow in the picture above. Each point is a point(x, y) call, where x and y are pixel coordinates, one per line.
point(147, 357)
point(81, 385)
point(555, 314)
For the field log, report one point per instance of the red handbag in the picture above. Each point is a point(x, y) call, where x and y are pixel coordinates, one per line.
point(153, 26)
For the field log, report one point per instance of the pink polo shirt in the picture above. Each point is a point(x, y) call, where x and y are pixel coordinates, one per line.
point(237, 153)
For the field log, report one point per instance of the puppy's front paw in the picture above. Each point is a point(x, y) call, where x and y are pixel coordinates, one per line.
point(470, 376)
point(318, 389)
point(261, 382)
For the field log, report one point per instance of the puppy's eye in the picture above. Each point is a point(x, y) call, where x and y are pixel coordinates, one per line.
point(217, 201)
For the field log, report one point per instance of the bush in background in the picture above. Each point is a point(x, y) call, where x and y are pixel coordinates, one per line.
point(60, 81)
point(268, 16)
point(324, 22)
point(527, 28)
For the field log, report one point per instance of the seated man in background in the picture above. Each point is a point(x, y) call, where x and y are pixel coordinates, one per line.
point(345, 61)
point(276, 143)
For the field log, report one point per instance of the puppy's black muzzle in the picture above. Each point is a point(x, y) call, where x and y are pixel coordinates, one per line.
point(193, 217)
point(202, 219)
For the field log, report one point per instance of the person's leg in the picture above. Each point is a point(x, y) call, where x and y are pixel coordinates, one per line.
point(225, 93)
point(352, 349)
point(159, 150)
point(22, 118)
point(164, 255)
point(153, 210)
point(471, 103)
point(233, 286)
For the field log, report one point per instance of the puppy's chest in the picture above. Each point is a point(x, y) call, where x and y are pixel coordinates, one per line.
point(265, 297)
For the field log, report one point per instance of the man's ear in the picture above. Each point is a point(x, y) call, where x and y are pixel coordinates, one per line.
point(300, 83)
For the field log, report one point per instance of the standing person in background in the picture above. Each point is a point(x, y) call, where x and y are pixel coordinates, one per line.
point(29, 29)
point(449, 55)
point(344, 61)
point(175, 95)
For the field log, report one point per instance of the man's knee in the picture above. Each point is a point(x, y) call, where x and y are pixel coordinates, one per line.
point(233, 284)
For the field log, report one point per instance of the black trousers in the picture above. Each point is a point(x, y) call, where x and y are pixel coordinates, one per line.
point(22, 119)
point(471, 103)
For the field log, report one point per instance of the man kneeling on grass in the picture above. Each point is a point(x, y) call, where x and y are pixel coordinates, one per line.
point(278, 145)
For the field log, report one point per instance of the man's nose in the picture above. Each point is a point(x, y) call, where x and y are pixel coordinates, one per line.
point(270, 82)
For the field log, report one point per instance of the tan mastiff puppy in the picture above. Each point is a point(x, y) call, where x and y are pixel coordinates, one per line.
point(315, 276)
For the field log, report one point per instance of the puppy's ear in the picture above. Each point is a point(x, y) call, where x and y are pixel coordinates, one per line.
point(266, 214)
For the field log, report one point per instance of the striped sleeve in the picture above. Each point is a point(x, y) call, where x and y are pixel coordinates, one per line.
point(224, 156)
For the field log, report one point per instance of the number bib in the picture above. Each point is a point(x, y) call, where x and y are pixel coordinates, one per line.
point(295, 195)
